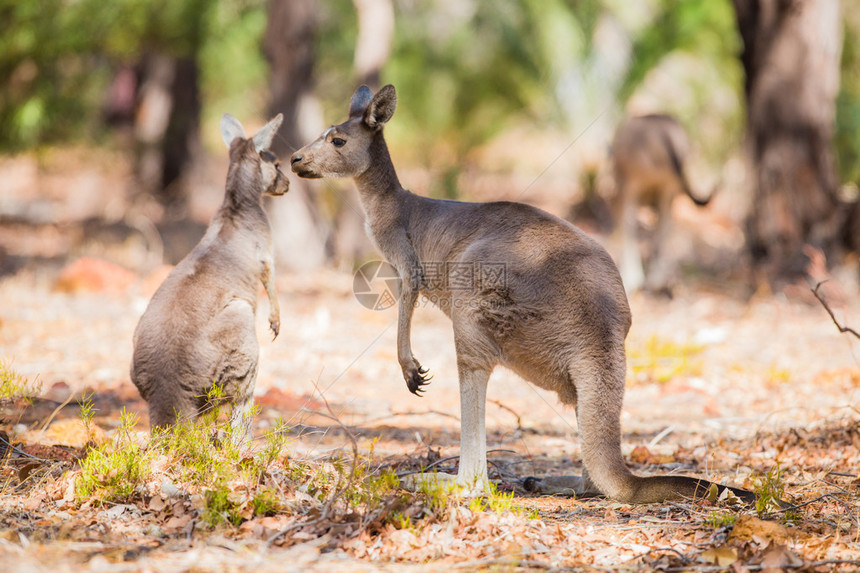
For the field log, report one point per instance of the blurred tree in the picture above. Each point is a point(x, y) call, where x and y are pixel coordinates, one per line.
point(375, 37)
point(791, 55)
point(289, 45)
point(59, 58)
point(375, 19)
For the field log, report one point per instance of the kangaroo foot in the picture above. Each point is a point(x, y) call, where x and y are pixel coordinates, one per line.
point(573, 486)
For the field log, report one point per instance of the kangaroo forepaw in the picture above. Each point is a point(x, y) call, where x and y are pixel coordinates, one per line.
point(416, 379)
point(275, 325)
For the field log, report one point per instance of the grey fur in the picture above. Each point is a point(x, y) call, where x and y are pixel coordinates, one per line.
point(198, 330)
point(559, 319)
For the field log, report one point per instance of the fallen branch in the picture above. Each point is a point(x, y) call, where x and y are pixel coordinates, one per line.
point(841, 328)
point(511, 410)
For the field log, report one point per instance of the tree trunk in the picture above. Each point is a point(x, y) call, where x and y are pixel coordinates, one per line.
point(299, 231)
point(375, 36)
point(372, 49)
point(166, 128)
point(791, 53)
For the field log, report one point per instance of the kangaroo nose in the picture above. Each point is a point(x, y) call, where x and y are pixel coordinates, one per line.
point(295, 158)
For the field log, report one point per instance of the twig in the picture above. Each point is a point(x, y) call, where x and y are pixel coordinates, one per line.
point(397, 414)
point(502, 561)
point(805, 503)
point(684, 558)
point(509, 409)
point(841, 328)
point(425, 469)
point(448, 459)
point(55, 412)
point(842, 474)
point(22, 452)
point(340, 490)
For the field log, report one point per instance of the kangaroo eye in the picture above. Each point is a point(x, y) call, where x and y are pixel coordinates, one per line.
point(268, 156)
point(338, 142)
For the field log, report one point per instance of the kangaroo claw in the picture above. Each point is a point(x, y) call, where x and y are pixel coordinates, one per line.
point(416, 378)
point(275, 325)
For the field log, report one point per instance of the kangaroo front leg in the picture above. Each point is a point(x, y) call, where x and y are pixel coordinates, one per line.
point(415, 376)
point(268, 280)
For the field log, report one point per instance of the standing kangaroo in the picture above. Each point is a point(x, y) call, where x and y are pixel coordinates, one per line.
point(648, 155)
point(556, 314)
point(198, 331)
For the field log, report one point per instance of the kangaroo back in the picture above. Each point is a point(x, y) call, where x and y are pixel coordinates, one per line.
point(198, 331)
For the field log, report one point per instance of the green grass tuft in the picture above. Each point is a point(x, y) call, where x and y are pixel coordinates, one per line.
point(15, 386)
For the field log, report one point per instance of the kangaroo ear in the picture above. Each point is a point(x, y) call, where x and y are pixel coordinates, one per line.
point(263, 138)
point(381, 107)
point(231, 129)
point(359, 101)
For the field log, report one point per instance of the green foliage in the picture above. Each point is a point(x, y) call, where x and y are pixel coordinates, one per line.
point(496, 502)
point(233, 68)
point(113, 472)
point(468, 71)
point(847, 135)
point(57, 58)
point(720, 519)
point(769, 489)
point(706, 28)
point(88, 411)
point(14, 385)
point(220, 507)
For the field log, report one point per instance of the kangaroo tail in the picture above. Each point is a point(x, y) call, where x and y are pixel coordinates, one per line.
point(678, 168)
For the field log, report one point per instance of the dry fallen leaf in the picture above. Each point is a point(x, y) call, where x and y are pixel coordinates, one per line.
point(177, 524)
point(749, 528)
point(722, 556)
point(778, 558)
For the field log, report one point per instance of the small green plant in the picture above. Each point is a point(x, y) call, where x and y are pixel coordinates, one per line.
point(373, 489)
point(220, 507)
point(720, 519)
point(769, 489)
point(496, 502)
point(401, 521)
point(87, 413)
point(112, 472)
point(435, 494)
point(15, 386)
point(276, 441)
point(265, 502)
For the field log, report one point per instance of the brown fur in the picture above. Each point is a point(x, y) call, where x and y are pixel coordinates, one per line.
point(648, 155)
point(198, 330)
point(559, 319)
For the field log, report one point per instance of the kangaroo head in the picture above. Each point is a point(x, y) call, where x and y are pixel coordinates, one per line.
point(250, 158)
point(344, 150)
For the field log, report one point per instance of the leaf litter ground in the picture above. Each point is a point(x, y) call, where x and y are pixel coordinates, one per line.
point(717, 387)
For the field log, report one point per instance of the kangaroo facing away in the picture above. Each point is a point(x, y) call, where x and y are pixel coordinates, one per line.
point(198, 331)
point(556, 314)
point(648, 154)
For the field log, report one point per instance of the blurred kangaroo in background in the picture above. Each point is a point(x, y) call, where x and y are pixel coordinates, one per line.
point(544, 300)
point(198, 331)
point(648, 155)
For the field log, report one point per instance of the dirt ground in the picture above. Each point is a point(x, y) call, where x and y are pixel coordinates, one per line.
point(720, 385)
